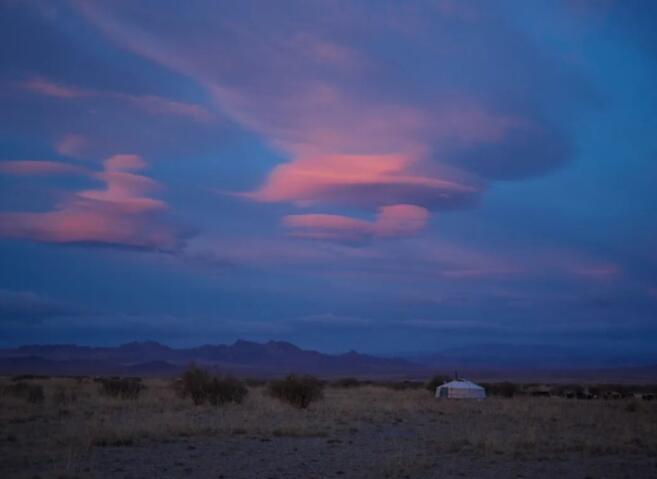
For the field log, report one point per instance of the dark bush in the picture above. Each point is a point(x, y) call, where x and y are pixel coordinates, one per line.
point(299, 391)
point(125, 388)
point(195, 383)
point(203, 387)
point(438, 380)
point(32, 393)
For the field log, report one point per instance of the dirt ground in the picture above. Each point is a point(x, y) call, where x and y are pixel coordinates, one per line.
point(341, 458)
point(362, 432)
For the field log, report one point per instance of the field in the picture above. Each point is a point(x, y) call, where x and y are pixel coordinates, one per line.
point(366, 431)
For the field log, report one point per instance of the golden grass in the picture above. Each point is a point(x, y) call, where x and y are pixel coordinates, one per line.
point(75, 418)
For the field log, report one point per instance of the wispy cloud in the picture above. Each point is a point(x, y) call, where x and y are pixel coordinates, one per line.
point(40, 168)
point(392, 221)
point(153, 104)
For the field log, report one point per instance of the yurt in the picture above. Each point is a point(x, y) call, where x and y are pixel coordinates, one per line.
point(460, 389)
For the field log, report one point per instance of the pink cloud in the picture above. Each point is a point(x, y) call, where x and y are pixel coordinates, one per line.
point(354, 129)
point(48, 88)
point(35, 168)
point(391, 221)
point(82, 222)
point(153, 104)
point(124, 163)
point(120, 214)
point(158, 105)
point(401, 220)
point(360, 179)
point(71, 145)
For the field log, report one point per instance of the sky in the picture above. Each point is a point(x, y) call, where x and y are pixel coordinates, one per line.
point(372, 175)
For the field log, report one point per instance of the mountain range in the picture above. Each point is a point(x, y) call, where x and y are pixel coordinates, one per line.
point(486, 362)
point(154, 359)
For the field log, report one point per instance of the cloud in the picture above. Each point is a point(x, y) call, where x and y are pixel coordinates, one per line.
point(28, 307)
point(403, 105)
point(153, 104)
point(392, 221)
point(124, 163)
point(121, 214)
point(39, 168)
point(47, 88)
point(71, 145)
point(366, 180)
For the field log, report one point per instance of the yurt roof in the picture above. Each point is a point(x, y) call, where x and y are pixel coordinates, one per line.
point(461, 384)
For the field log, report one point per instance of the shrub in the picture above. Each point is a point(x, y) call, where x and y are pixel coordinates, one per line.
point(194, 383)
point(299, 391)
point(32, 393)
point(434, 382)
point(202, 386)
point(125, 388)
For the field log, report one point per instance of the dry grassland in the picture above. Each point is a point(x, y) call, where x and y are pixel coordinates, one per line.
point(58, 435)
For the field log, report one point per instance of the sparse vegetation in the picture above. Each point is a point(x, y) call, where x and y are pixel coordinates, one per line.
point(78, 416)
point(299, 391)
point(203, 387)
point(124, 388)
point(403, 385)
point(32, 393)
point(63, 395)
point(347, 383)
point(504, 389)
point(225, 390)
point(27, 377)
point(194, 383)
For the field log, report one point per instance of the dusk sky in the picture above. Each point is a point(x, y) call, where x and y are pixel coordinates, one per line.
point(379, 176)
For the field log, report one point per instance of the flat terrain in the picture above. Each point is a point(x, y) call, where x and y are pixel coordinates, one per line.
point(359, 432)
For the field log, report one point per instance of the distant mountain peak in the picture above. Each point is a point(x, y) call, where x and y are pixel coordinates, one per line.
point(283, 345)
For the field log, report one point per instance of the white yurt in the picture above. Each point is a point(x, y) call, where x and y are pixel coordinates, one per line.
point(460, 389)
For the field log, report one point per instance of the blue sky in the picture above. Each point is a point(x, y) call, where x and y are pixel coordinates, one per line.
point(380, 176)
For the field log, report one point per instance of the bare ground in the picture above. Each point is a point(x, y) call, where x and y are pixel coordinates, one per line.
point(364, 432)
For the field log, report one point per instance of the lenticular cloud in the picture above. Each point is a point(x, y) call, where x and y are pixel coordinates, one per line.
point(373, 107)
